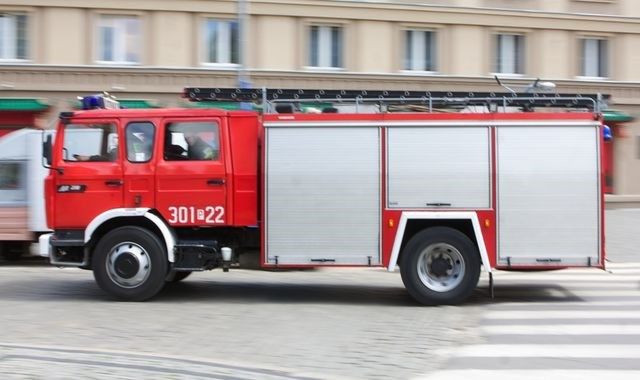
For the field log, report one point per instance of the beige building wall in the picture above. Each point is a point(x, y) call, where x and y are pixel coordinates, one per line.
point(548, 54)
point(627, 159)
point(630, 8)
point(275, 40)
point(376, 48)
point(473, 58)
point(628, 47)
point(175, 30)
point(62, 24)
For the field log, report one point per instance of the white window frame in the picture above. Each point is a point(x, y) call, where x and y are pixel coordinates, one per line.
point(325, 47)
point(518, 53)
point(224, 44)
point(119, 46)
point(418, 56)
point(9, 45)
point(583, 43)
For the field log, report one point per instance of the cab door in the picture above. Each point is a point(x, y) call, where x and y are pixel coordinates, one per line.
point(138, 162)
point(89, 179)
point(191, 179)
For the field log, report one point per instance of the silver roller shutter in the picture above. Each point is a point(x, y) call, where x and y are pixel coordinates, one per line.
point(548, 195)
point(323, 195)
point(439, 166)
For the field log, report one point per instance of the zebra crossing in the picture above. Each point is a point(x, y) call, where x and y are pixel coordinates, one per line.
point(571, 324)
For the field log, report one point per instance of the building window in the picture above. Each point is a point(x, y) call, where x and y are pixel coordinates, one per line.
point(594, 57)
point(13, 36)
point(420, 50)
point(221, 40)
point(119, 39)
point(325, 46)
point(509, 54)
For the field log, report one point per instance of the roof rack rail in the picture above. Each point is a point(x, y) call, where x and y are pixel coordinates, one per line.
point(429, 100)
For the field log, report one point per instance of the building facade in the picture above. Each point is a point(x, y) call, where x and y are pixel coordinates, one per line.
point(53, 51)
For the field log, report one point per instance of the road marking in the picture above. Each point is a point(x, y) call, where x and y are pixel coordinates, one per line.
point(582, 305)
point(531, 375)
point(562, 351)
point(562, 329)
point(563, 314)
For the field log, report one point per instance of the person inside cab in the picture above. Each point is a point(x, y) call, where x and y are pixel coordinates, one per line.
point(198, 148)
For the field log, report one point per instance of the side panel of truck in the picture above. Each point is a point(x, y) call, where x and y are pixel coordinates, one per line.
point(438, 166)
point(549, 195)
point(322, 201)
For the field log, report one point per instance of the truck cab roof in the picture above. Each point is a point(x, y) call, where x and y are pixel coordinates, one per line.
point(153, 112)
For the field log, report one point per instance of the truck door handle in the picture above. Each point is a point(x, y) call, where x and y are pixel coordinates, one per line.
point(439, 204)
point(215, 181)
point(113, 183)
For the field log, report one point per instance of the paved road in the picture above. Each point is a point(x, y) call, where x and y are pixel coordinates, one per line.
point(341, 323)
point(562, 325)
point(623, 235)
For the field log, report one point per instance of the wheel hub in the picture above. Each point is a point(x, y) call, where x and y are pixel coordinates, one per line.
point(440, 266)
point(128, 265)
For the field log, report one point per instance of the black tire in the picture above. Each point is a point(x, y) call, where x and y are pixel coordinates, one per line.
point(131, 248)
point(454, 268)
point(177, 277)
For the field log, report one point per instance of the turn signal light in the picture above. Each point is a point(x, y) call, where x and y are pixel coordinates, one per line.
point(391, 223)
point(487, 223)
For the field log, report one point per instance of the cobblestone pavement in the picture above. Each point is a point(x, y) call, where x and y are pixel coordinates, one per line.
point(339, 323)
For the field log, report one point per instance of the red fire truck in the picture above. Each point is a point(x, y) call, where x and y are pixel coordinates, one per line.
point(443, 185)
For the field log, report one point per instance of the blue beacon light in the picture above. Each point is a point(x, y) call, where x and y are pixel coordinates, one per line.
point(98, 101)
point(606, 133)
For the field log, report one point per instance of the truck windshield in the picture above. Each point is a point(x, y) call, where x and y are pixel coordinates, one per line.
point(90, 142)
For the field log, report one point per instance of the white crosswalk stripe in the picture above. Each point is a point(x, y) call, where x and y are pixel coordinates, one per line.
point(582, 328)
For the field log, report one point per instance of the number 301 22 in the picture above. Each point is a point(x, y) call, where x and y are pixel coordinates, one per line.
point(193, 215)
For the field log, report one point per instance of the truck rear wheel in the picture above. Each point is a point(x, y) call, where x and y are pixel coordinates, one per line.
point(440, 265)
point(130, 264)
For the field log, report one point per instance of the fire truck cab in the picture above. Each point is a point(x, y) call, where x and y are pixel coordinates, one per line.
point(142, 197)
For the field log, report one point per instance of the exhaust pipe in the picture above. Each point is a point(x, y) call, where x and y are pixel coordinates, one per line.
point(226, 258)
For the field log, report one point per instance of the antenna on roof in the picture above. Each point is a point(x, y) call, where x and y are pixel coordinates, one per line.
point(534, 87)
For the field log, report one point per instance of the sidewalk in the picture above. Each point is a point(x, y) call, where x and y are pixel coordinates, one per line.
point(622, 235)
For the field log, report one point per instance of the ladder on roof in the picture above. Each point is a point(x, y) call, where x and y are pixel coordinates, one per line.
point(426, 101)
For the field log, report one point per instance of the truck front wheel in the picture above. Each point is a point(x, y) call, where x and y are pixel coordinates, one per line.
point(130, 264)
point(440, 265)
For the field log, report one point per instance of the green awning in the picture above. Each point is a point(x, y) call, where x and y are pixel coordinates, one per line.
point(23, 104)
point(229, 106)
point(232, 106)
point(317, 106)
point(137, 103)
point(615, 116)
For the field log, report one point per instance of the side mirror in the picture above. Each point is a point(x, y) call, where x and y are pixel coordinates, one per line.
point(47, 150)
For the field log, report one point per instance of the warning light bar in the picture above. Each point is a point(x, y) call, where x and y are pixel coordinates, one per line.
point(99, 101)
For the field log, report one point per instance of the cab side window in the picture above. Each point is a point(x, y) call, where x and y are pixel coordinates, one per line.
point(90, 142)
point(140, 137)
point(192, 141)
